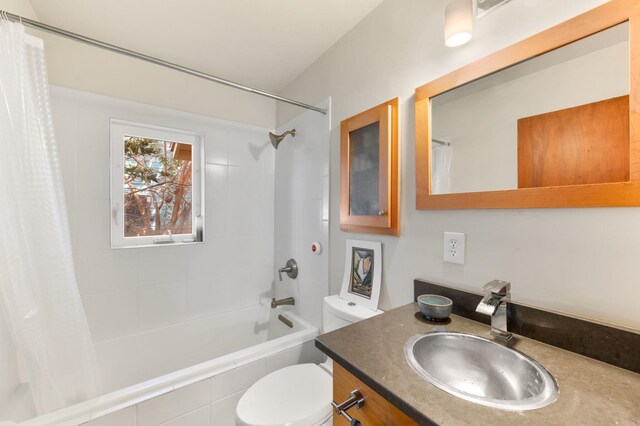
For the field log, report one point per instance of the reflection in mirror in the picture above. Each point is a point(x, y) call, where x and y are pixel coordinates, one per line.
point(540, 122)
point(364, 170)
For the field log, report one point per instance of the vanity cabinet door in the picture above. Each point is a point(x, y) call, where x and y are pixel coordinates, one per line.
point(376, 409)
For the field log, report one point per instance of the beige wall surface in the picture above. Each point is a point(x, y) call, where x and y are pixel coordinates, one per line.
point(578, 261)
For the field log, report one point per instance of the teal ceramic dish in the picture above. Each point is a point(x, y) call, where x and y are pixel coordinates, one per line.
point(435, 307)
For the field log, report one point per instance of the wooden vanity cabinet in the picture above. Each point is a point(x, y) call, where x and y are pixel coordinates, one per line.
point(376, 410)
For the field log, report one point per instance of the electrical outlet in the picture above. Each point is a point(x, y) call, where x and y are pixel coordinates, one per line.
point(454, 247)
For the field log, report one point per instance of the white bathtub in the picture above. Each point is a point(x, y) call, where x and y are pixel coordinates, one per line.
point(157, 376)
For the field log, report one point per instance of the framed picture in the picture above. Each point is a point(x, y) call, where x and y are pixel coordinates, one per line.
point(362, 273)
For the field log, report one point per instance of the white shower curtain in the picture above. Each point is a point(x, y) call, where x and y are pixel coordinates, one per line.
point(38, 293)
point(441, 164)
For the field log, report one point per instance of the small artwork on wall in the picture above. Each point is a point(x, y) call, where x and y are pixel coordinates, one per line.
point(362, 277)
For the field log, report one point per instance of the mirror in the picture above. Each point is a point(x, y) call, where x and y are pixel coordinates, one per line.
point(479, 121)
point(547, 122)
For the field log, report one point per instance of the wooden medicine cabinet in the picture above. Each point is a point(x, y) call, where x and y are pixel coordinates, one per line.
point(551, 121)
point(369, 178)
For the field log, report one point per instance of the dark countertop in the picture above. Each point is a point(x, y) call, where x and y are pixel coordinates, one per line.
point(591, 392)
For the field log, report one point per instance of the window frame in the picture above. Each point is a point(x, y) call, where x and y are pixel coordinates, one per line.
point(118, 130)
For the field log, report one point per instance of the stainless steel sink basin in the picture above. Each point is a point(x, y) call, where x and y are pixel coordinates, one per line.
point(481, 371)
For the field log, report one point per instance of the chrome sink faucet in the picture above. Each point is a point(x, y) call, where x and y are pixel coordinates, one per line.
point(494, 304)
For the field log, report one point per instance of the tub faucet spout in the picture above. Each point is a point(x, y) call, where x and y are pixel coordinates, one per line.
point(288, 301)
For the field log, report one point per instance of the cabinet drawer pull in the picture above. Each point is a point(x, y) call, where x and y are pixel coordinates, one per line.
point(355, 400)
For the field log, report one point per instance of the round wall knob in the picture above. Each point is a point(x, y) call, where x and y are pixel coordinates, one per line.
point(381, 212)
point(316, 248)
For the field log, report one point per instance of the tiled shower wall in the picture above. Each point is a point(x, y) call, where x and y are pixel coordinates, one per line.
point(129, 290)
point(302, 210)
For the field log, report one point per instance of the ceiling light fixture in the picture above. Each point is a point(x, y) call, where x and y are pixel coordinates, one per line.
point(458, 22)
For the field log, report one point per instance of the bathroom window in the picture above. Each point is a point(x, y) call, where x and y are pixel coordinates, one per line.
point(156, 185)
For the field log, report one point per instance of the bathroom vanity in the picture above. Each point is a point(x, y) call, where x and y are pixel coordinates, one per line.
point(369, 356)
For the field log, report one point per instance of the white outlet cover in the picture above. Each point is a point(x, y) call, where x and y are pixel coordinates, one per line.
point(454, 247)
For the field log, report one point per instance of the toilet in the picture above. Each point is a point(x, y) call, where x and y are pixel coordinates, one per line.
point(300, 395)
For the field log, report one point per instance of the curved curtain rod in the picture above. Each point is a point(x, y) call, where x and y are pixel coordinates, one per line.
point(121, 50)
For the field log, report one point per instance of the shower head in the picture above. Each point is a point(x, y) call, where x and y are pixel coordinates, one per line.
point(276, 139)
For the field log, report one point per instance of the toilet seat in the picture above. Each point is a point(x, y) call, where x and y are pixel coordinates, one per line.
point(277, 399)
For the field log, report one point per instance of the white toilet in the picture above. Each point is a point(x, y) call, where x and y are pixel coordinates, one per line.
point(300, 395)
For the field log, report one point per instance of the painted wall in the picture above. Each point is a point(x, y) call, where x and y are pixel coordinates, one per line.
point(579, 261)
point(302, 211)
point(129, 290)
point(78, 66)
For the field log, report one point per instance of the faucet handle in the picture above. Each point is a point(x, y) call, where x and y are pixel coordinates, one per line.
point(499, 287)
point(291, 269)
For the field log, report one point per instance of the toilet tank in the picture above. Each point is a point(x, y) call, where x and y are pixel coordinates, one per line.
point(338, 313)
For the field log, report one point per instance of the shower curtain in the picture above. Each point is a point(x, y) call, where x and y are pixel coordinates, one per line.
point(39, 297)
point(441, 164)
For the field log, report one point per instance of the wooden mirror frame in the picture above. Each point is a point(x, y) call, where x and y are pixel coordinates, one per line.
point(615, 194)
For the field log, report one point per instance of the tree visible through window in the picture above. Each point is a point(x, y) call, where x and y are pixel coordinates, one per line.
point(157, 187)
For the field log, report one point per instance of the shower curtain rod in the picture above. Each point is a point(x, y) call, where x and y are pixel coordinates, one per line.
point(121, 50)
point(439, 142)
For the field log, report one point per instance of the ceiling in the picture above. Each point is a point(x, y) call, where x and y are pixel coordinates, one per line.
point(261, 43)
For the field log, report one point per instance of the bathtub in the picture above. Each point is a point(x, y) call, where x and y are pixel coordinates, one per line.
point(198, 368)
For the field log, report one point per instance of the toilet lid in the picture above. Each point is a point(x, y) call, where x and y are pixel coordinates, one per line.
point(299, 395)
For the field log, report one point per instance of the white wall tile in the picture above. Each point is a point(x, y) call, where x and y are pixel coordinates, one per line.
point(125, 417)
point(238, 379)
point(174, 404)
point(263, 254)
point(208, 260)
point(163, 264)
point(92, 175)
point(302, 203)
point(247, 288)
point(217, 182)
point(217, 220)
point(199, 417)
point(102, 269)
point(68, 168)
point(244, 182)
point(64, 114)
point(243, 228)
point(111, 314)
point(243, 219)
point(250, 147)
point(207, 296)
point(92, 223)
point(216, 145)
point(93, 133)
point(162, 304)
point(223, 412)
